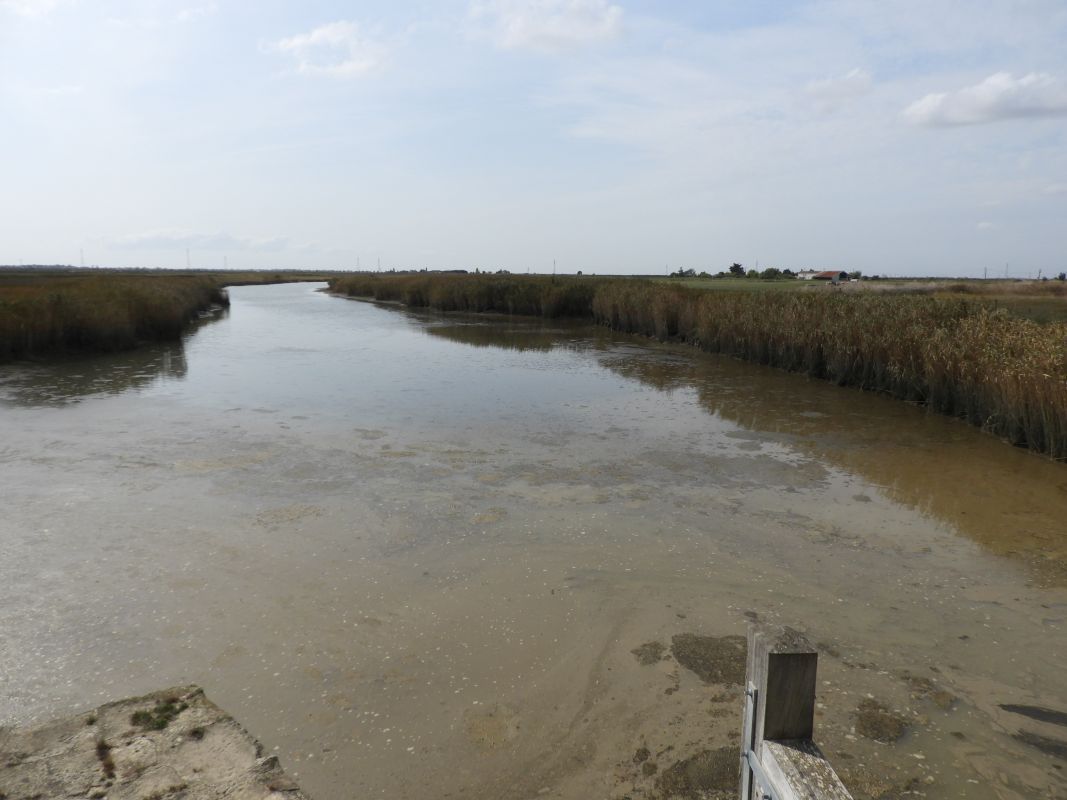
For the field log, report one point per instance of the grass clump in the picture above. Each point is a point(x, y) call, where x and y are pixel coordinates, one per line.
point(160, 716)
point(103, 755)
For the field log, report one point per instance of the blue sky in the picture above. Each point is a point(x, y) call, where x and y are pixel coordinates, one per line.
point(897, 137)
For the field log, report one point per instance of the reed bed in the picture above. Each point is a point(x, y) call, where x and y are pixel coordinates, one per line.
point(99, 313)
point(959, 357)
point(532, 296)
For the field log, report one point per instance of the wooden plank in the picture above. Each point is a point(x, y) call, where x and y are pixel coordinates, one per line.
point(782, 665)
point(800, 771)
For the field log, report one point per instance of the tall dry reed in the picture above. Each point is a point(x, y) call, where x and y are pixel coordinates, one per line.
point(99, 312)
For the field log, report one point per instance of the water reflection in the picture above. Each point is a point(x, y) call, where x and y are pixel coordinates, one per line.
point(1011, 502)
point(504, 334)
point(61, 382)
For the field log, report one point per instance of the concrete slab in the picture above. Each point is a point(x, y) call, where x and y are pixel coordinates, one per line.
point(170, 745)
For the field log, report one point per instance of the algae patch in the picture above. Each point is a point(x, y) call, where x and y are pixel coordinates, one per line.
point(492, 727)
point(649, 653)
point(708, 775)
point(160, 716)
point(925, 689)
point(1057, 748)
point(875, 721)
point(715, 659)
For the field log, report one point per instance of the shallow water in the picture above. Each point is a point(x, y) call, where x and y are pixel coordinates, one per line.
point(413, 553)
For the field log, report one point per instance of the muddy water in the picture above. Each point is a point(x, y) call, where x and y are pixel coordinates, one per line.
point(414, 554)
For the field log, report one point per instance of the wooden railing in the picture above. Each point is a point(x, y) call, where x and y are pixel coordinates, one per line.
point(779, 760)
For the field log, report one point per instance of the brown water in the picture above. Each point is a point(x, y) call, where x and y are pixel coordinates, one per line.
point(413, 553)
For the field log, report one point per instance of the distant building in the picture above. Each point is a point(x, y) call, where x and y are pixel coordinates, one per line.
point(832, 275)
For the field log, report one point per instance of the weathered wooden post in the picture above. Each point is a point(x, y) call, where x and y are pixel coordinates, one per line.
point(779, 760)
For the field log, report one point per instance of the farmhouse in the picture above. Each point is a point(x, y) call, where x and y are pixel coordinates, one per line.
point(834, 276)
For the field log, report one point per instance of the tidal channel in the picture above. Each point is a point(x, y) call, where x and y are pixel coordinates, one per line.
point(415, 555)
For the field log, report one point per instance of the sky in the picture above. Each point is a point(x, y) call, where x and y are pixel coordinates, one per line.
point(899, 137)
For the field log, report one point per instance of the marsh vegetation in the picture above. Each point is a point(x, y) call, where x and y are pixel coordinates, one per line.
point(55, 314)
point(50, 311)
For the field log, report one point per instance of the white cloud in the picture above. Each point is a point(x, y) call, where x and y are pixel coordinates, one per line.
point(28, 8)
point(830, 94)
point(193, 13)
point(547, 25)
point(1000, 96)
point(985, 226)
point(180, 240)
point(336, 49)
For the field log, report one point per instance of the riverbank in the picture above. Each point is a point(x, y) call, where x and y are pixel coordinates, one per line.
point(173, 743)
point(1002, 373)
point(46, 312)
point(47, 315)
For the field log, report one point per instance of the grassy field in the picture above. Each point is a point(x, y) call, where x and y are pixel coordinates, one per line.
point(52, 311)
point(1040, 301)
point(949, 349)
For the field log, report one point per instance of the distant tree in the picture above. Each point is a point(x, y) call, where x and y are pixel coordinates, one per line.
point(771, 274)
point(1062, 276)
point(751, 274)
point(856, 274)
point(738, 270)
point(579, 273)
point(703, 275)
point(788, 273)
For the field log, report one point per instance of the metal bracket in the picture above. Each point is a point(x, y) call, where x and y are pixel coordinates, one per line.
point(754, 773)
